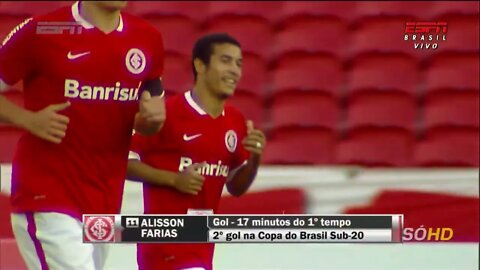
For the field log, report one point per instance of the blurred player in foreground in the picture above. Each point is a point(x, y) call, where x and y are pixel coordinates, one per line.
point(82, 66)
point(203, 145)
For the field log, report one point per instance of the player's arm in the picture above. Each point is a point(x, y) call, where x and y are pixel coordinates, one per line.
point(46, 123)
point(189, 181)
point(151, 115)
point(242, 178)
point(16, 63)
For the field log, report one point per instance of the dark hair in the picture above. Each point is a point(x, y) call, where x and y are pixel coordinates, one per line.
point(203, 48)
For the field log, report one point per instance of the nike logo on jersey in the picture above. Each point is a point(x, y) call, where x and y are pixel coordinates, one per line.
point(189, 138)
point(72, 56)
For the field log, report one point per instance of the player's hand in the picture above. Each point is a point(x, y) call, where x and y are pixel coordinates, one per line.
point(255, 140)
point(152, 109)
point(190, 180)
point(48, 124)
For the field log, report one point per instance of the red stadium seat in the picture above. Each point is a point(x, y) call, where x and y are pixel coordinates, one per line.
point(384, 72)
point(251, 106)
point(305, 109)
point(31, 8)
point(428, 210)
point(460, 151)
point(178, 76)
point(254, 33)
point(463, 34)
point(339, 9)
point(190, 9)
point(301, 146)
point(383, 34)
point(9, 137)
point(453, 71)
point(393, 8)
point(442, 8)
point(456, 109)
point(263, 9)
point(254, 75)
point(308, 72)
point(376, 147)
point(277, 201)
point(170, 27)
point(312, 34)
point(382, 109)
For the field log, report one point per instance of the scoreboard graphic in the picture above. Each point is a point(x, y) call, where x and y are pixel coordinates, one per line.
point(243, 228)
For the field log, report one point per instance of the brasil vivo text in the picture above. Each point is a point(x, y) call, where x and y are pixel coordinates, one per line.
point(243, 228)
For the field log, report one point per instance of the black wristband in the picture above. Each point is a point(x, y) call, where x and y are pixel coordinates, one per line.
point(153, 86)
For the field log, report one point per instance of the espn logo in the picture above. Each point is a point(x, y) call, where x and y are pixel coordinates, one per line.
point(57, 28)
point(426, 35)
point(426, 28)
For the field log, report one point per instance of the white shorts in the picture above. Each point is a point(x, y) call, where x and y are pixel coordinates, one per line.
point(55, 241)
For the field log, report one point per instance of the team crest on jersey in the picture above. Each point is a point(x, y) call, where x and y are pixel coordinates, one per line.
point(135, 61)
point(231, 140)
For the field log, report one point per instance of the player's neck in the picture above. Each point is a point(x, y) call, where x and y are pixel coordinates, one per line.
point(104, 19)
point(209, 103)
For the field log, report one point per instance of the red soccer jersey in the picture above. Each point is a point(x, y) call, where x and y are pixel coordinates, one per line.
point(189, 136)
point(61, 57)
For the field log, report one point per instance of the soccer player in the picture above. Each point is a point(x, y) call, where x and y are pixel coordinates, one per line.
point(84, 69)
point(203, 144)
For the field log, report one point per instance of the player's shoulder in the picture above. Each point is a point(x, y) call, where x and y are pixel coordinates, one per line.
point(60, 15)
point(176, 101)
point(232, 112)
point(29, 26)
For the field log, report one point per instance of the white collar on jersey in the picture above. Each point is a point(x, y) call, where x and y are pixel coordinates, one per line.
point(194, 105)
point(78, 18)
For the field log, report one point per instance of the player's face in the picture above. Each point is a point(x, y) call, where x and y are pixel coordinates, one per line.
point(111, 5)
point(225, 69)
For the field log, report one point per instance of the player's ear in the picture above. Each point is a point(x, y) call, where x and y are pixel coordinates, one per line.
point(199, 66)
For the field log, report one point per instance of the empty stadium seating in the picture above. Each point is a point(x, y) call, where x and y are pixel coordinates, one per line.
point(178, 77)
point(387, 71)
point(308, 72)
point(254, 33)
point(170, 26)
point(376, 147)
point(344, 10)
point(304, 109)
point(452, 71)
point(449, 146)
point(296, 35)
point(428, 210)
point(251, 106)
point(189, 9)
point(262, 9)
point(382, 109)
point(452, 108)
point(463, 33)
point(301, 146)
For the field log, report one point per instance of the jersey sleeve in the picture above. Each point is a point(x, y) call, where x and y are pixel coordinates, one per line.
point(15, 53)
point(158, 57)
